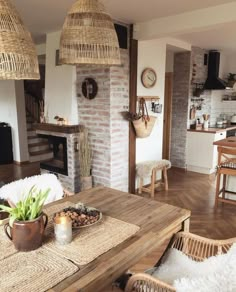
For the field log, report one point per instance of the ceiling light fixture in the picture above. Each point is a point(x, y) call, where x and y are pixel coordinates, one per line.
point(88, 36)
point(18, 58)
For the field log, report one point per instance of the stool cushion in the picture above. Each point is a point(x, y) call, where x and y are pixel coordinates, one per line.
point(144, 169)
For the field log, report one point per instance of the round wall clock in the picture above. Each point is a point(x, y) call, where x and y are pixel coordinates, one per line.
point(148, 77)
point(89, 88)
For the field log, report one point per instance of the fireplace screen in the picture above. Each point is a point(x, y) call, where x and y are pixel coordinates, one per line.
point(58, 163)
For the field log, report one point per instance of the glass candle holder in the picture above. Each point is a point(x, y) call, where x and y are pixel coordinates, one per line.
point(63, 230)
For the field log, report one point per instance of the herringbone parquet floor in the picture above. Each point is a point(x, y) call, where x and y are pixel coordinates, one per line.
point(195, 192)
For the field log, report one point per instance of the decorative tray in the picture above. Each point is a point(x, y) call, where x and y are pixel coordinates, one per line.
point(81, 215)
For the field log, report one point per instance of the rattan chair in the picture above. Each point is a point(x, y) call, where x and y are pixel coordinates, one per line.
point(196, 247)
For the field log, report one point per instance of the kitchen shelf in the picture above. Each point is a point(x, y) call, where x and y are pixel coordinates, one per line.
point(197, 99)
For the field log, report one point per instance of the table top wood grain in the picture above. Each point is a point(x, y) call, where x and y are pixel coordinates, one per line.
point(157, 221)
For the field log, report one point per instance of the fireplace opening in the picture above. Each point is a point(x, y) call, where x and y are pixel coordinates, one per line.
point(58, 163)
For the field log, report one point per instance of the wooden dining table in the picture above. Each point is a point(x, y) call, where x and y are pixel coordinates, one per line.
point(157, 222)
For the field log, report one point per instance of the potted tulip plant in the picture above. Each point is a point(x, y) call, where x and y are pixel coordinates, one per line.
point(27, 222)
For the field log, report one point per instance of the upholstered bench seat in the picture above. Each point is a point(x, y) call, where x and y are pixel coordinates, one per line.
point(149, 169)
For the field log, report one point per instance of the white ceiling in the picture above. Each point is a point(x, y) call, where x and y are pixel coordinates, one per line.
point(222, 38)
point(42, 16)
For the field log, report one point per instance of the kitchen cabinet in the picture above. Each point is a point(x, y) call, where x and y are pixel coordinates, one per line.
point(201, 153)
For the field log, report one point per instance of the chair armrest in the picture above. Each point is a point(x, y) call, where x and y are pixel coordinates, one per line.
point(200, 248)
point(145, 282)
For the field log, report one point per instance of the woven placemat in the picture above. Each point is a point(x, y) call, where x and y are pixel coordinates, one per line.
point(35, 271)
point(91, 242)
point(6, 245)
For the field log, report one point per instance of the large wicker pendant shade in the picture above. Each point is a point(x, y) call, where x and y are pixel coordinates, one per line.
point(88, 36)
point(18, 58)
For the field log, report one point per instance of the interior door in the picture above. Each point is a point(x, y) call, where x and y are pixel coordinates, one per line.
point(167, 115)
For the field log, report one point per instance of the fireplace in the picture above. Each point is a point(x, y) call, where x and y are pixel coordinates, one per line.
point(58, 163)
point(64, 143)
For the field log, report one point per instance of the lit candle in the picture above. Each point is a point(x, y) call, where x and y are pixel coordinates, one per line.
point(63, 230)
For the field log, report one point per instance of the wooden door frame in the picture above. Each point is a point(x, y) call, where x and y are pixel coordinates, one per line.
point(167, 118)
point(132, 108)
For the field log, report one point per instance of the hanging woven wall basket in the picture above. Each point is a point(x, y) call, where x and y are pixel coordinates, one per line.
point(88, 36)
point(18, 58)
point(144, 125)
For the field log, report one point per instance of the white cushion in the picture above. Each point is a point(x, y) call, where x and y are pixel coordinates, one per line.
point(16, 190)
point(144, 169)
point(215, 274)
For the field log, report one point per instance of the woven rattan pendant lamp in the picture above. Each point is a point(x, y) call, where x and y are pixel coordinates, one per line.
point(88, 36)
point(18, 58)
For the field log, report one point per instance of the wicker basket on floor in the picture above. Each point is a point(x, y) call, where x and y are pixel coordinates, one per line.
point(196, 247)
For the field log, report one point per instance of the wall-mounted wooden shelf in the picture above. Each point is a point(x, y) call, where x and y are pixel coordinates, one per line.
point(148, 98)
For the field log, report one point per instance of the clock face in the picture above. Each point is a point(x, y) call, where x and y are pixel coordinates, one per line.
point(148, 78)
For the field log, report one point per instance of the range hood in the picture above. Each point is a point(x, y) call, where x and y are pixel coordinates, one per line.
point(213, 81)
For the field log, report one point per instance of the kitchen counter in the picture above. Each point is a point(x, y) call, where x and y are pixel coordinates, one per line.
point(201, 154)
point(228, 142)
point(214, 130)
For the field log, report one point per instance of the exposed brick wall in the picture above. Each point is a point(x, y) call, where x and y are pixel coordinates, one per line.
point(119, 91)
point(108, 131)
point(181, 87)
point(197, 64)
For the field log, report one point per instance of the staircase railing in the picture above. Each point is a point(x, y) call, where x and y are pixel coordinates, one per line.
point(33, 107)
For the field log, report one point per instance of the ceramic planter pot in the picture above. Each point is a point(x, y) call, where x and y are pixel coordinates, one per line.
point(27, 235)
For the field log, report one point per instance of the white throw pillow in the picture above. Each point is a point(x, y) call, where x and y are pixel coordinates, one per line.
point(215, 274)
point(16, 190)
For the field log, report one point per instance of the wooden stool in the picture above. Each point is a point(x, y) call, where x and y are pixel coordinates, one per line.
point(227, 167)
point(149, 169)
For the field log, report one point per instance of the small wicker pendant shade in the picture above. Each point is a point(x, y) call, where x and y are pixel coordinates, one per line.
point(18, 58)
point(88, 36)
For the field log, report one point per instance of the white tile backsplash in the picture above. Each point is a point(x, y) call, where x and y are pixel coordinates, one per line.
point(219, 107)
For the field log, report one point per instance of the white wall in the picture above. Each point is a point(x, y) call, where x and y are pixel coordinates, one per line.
point(12, 111)
point(60, 86)
point(41, 49)
point(151, 54)
point(227, 64)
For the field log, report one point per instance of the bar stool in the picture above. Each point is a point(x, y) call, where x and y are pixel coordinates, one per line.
point(227, 167)
point(149, 169)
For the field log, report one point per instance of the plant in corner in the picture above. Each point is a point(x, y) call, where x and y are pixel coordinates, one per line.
point(26, 220)
point(231, 79)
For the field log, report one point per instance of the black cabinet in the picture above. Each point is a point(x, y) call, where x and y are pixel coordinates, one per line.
point(6, 155)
